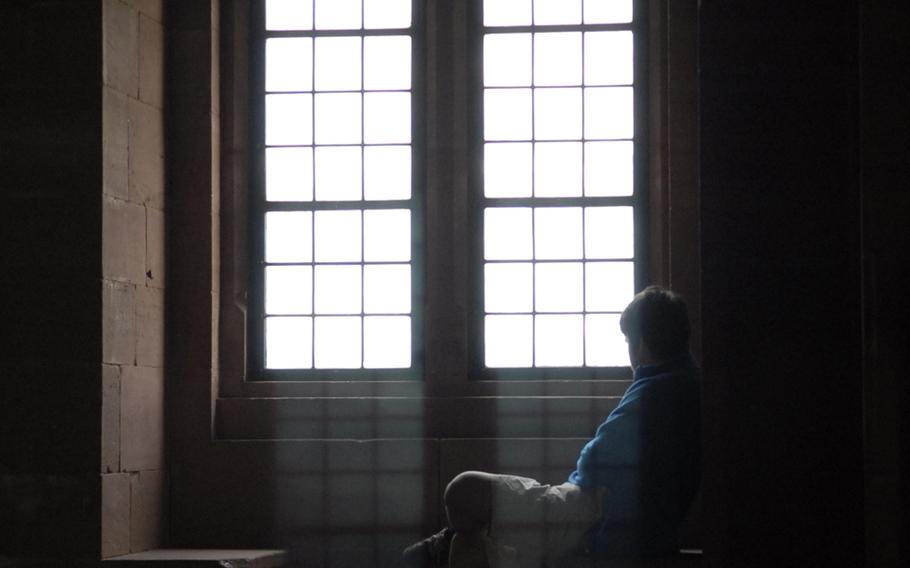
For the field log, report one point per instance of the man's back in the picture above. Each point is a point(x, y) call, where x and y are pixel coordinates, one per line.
point(646, 460)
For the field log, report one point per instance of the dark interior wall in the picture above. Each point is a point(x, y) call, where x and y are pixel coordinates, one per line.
point(50, 306)
point(885, 141)
point(781, 210)
point(82, 252)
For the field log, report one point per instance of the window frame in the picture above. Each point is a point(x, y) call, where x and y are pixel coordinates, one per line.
point(638, 200)
point(672, 79)
point(258, 205)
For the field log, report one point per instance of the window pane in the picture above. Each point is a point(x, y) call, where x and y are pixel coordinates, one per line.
point(289, 14)
point(288, 236)
point(387, 288)
point(605, 345)
point(547, 12)
point(608, 232)
point(558, 340)
point(288, 119)
point(337, 342)
point(338, 174)
point(337, 63)
point(608, 58)
point(557, 114)
point(387, 172)
point(289, 343)
point(557, 58)
point(609, 286)
point(508, 287)
point(387, 342)
point(558, 287)
point(507, 169)
point(608, 112)
point(508, 341)
point(337, 236)
point(507, 60)
point(507, 233)
point(506, 12)
point(289, 174)
point(557, 169)
point(609, 168)
point(387, 118)
point(338, 118)
point(608, 11)
point(387, 62)
point(386, 14)
point(337, 14)
point(507, 114)
point(337, 289)
point(387, 235)
point(557, 232)
point(289, 64)
point(288, 290)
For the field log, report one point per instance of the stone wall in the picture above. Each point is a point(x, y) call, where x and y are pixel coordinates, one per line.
point(134, 480)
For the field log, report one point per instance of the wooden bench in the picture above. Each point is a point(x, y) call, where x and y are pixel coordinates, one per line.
point(197, 558)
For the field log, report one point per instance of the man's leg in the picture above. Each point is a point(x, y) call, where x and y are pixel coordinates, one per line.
point(469, 506)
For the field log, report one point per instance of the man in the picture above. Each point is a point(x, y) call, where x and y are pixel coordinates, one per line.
point(633, 483)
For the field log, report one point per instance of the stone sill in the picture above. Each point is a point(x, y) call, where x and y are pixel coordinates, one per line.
point(196, 558)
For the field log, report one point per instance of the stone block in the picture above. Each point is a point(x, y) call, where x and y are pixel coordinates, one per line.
point(141, 418)
point(155, 244)
point(120, 29)
point(146, 157)
point(118, 333)
point(149, 326)
point(147, 515)
point(151, 61)
point(115, 143)
point(115, 514)
point(110, 418)
point(123, 241)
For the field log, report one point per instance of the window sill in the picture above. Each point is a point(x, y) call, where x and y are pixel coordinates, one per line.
point(403, 417)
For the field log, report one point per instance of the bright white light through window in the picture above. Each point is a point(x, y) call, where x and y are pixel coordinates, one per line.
point(337, 162)
point(289, 174)
point(509, 287)
point(289, 15)
point(289, 290)
point(608, 11)
point(338, 14)
point(337, 63)
point(289, 64)
point(558, 181)
point(507, 171)
point(557, 58)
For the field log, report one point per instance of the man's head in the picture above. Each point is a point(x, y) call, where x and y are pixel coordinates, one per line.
point(656, 325)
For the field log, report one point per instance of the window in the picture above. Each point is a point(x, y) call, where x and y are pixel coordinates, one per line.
point(335, 210)
point(559, 199)
point(338, 173)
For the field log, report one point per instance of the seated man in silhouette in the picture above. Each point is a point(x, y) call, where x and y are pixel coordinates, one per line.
point(633, 483)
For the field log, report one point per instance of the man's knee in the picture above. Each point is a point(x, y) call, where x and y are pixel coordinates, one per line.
point(466, 486)
point(467, 499)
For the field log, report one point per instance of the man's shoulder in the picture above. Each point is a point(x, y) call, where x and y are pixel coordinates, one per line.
point(674, 390)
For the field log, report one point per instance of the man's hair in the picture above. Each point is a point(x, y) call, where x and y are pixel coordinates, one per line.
point(659, 318)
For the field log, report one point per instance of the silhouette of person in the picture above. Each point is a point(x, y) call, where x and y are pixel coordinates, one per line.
point(633, 482)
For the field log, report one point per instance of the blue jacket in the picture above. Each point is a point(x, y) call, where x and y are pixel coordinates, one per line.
point(646, 457)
